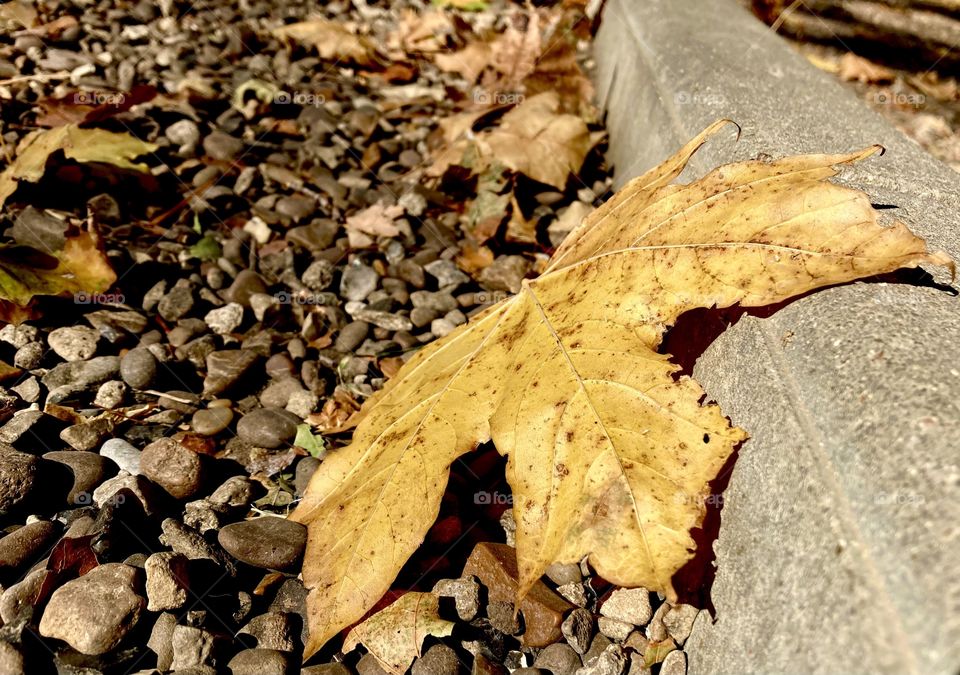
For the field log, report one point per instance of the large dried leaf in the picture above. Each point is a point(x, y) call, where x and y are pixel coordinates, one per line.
point(332, 40)
point(609, 456)
point(394, 635)
point(81, 145)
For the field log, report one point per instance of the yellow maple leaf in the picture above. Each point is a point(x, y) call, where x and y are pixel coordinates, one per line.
point(610, 457)
point(395, 634)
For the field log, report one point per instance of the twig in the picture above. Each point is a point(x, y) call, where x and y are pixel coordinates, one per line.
point(39, 77)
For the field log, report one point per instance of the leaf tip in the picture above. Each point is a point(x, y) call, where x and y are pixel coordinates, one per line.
point(943, 259)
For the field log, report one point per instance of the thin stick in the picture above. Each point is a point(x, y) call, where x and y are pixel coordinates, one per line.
point(39, 77)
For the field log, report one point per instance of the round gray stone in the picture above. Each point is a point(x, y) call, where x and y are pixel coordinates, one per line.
point(138, 368)
point(267, 542)
point(211, 421)
point(268, 427)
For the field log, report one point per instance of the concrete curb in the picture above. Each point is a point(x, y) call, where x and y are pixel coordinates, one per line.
point(840, 530)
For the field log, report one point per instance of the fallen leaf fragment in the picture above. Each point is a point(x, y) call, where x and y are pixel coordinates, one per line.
point(80, 269)
point(18, 13)
point(308, 441)
point(474, 259)
point(468, 62)
point(468, 5)
point(853, 67)
point(395, 634)
point(378, 220)
point(520, 228)
point(610, 454)
point(421, 33)
point(536, 140)
point(332, 40)
point(55, 29)
point(81, 145)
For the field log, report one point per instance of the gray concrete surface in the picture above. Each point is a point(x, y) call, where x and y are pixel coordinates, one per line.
point(840, 538)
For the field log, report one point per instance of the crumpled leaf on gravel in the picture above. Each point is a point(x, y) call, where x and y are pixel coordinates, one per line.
point(378, 220)
point(534, 139)
point(394, 635)
point(609, 456)
point(423, 33)
point(332, 40)
point(541, 56)
point(81, 145)
point(79, 268)
point(537, 140)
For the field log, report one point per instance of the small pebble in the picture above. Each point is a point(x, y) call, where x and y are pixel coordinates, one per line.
point(73, 343)
point(173, 467)
point(211, 421)
point(138, 368)
point(266, 542)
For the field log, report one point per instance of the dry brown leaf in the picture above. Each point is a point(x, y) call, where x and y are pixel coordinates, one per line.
point(610, 456)
point(378, 220)
point(474, 259)
point(558, 70)
point(80, 268)
point(857, 68)
point(522, 63)
point(537, 140)
point(932, 84)
point(468, 62)
point(468, 5)
point(395, 634)
point(826, 63)
point(425, 33)
point(455, 126)
point(512, 56)
point(338, 414)
point(332, 40)
point(520, 229)
point(81, 145)
point(534, 138)
point(571, 217)
point(55, 29)
point(390, 366)
point(17, 14)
